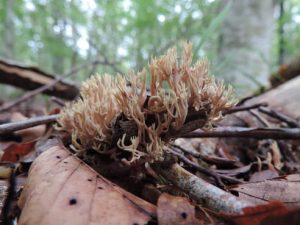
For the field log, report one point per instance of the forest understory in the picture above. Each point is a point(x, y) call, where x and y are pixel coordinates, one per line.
point(177, 150)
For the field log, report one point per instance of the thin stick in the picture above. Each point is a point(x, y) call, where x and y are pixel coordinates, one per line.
point(211, 160)
point(243, 132)
point(206, 194)
point(259, 118)
point(272, 113)
point(243, 108)
point(197, 167)
point(11, 127)
point(207, 172)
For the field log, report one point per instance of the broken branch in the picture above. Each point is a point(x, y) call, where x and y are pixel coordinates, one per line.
point(11, 127)
point(272, 113)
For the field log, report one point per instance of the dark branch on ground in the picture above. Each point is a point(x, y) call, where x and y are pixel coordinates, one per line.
point(243, 108)
point(205, 171)
point(243, 132)
point(279, 116)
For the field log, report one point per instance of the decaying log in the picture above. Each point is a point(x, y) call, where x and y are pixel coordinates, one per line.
point(286, 72)
point(30, 78)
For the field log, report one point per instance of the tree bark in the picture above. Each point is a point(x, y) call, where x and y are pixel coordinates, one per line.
point(245, 44)
point(9, 30)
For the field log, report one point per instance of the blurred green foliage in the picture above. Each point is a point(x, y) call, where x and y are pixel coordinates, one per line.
point(56, 35)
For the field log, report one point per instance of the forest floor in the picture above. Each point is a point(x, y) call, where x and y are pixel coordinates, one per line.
point(244, 170)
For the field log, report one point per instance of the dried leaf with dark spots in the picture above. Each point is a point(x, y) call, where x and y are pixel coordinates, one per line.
point(63, 190)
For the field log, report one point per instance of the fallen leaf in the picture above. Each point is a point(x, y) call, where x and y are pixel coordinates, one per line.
point(15, 151)
point(284, 189)
point(263, 175)
point(28, 134)
point(255, 215)
point(175, 210)
point(61, 189)
point(292, 217)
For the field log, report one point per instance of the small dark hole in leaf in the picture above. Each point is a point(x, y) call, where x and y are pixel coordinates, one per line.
point(98, 176)
point(65, 162)
point(90, 180)
point(58, 157)
point(73, 201)
point(183, 215)
point(234, 192)
point(100, 187)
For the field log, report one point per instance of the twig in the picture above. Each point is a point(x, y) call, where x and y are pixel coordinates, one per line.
point(58, 101)
point(243, 132)
point(11, 127)
point(243, 108)
point(197, 167)
point(31, 94)
point(206, 194)
point(211, 160)
point(243, 100)
point(272, 113)
point(207, 172)
point(259, 118)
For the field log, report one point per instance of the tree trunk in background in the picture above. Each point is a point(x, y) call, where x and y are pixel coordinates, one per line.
point(245, 44)
point(9, 30)
point(281, 33)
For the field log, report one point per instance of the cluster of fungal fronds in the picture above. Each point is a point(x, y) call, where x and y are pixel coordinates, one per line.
point(177, 87)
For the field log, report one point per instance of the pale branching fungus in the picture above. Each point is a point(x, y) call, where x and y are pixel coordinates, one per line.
point(177, 87)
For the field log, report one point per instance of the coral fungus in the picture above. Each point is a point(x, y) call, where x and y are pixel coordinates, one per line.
point(120, 113)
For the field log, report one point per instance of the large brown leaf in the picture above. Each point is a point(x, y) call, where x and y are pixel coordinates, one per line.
point(63, 190)
point(284, 189)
